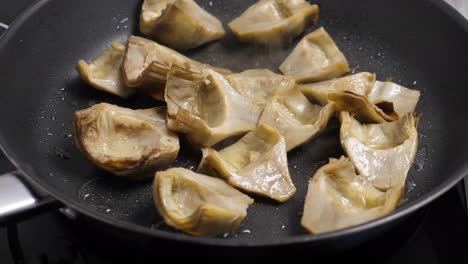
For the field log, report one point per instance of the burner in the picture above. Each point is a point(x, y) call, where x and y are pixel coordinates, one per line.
point(436, 234)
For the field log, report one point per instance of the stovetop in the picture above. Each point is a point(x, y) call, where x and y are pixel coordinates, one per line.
point(435, 234)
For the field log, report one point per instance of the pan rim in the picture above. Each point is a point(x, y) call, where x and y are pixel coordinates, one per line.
point(418, 203)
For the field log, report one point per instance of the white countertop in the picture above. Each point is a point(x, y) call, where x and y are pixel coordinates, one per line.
point(460, 5)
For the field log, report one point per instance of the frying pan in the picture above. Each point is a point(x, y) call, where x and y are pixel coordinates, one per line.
point(420, 44)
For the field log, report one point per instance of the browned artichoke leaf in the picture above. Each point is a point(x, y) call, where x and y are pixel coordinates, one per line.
point(404, 100)
point(359, 83)
point(180, 24)
point(274, 22)
point(123, 141)
point(147, 63)
point(197, 204)
point(315, 58)
point(206, 108)
point(382, 153)
point(295, 117)
point(361, 108)
point(338, 198)
point(157, 93)
point(104, 72)
point(257, 163)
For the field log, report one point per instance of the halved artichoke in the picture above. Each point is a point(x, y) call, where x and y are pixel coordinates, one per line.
point(259, 85)
point(206, 108)
point(362, 109)
point(360, 84)
point(338, 198)
point(295, 117)
point(396, 98)
point(104, 72)
point(382, 153)
point(147, 63)
point(180, 24)
point(404, 100)
point(257, 163)
point(315, 58)
point(274, 22)
point(197, 204)
point(123, 141)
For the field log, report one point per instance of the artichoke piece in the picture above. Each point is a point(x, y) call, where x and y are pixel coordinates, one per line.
point(338, 198)
point(371, 101)
point(147, 63)
point(259, 85)
point(274, 22)
point(197, 204)
point(382, 153)
point(206, 108)
point(104, 73)
point(123, 141)
point(157, 93)
point(360, 84)
point(257, 163)
point(298, 120)
point(404, 100)
point(363, 110)
point(180, 24)
point(315, 58)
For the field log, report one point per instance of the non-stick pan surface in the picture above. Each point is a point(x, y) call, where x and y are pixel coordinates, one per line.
point(421, 44)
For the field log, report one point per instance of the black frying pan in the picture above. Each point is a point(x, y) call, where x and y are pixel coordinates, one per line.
point(421, 44)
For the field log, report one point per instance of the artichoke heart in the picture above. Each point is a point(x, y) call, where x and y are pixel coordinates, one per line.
point(298, 120)
point(147, 63)
point(370, 100)
point(359, 83)
point(259, 85)
point(315, 58)
point(123, 141)
point(197, 204)
point(338, 198)
point(362, 109)
point(104, 72)
point(257, 163)
point(382, 153)
point(180, 24)
point(404, 100)
point(274, 22)
point(206, 108)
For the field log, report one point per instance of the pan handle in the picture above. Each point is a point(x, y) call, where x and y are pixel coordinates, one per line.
point(18, 201)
